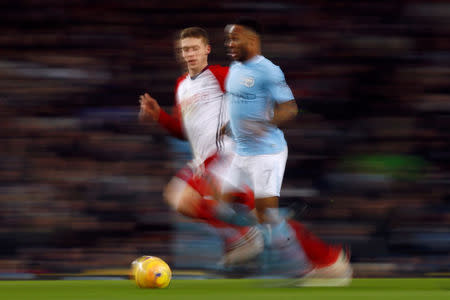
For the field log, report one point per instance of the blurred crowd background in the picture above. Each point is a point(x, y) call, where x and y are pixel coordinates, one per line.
point(369, 155)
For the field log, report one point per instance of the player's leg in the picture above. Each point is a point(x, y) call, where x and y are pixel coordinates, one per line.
point(325, 261)
point(236, 205)
point(235, 195)
point(283, 253)
point(182, 198)
point(319, 253)
point(190, 195)
point(331, 264)
point(266, 174)
point(263, 206)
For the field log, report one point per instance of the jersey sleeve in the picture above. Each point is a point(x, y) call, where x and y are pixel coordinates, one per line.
point(173, 123)
point(277, 86)
point(220, 73)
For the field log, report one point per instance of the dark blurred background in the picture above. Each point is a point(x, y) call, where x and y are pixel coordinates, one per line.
point(81, 181)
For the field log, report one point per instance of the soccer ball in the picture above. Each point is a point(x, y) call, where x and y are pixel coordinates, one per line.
point(151, 272)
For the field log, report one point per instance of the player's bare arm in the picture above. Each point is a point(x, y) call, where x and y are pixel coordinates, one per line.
point(150, 108)
point(284, 112)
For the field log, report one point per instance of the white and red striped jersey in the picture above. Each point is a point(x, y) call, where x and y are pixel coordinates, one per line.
point(202, 111)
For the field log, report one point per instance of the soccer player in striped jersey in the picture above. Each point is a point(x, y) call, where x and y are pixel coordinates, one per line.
point(200, 113)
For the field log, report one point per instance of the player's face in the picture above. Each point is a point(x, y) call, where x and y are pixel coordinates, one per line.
point(237, 42)
point(195, 53)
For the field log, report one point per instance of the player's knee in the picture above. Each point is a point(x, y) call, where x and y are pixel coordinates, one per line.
point(179, 201)
point(185, 209)
point(170, 197)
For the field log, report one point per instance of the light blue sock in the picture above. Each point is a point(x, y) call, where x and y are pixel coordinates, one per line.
point(283, 255)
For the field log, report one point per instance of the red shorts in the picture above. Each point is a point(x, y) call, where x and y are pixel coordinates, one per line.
point(202, 183)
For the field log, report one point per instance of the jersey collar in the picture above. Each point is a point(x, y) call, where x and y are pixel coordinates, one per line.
point(195, 77)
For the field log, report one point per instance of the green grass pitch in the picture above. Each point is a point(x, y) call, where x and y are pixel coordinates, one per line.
point(229, 289)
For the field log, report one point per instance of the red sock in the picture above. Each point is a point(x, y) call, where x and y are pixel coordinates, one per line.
point(317, 251)
point(207, 208)
point(206, 212)
point(230, 233)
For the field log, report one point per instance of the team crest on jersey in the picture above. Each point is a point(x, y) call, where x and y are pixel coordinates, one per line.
point(248, 81)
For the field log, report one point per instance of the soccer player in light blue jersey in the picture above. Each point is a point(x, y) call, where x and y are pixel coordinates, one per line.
point(259, 100)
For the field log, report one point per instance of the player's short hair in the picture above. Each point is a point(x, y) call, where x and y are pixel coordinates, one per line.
point(249, 23)
point(195, 32)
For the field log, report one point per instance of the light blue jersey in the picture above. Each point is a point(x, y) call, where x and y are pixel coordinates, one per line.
point(253, 88)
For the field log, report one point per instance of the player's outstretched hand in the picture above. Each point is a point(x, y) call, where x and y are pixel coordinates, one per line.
point(149, 108)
